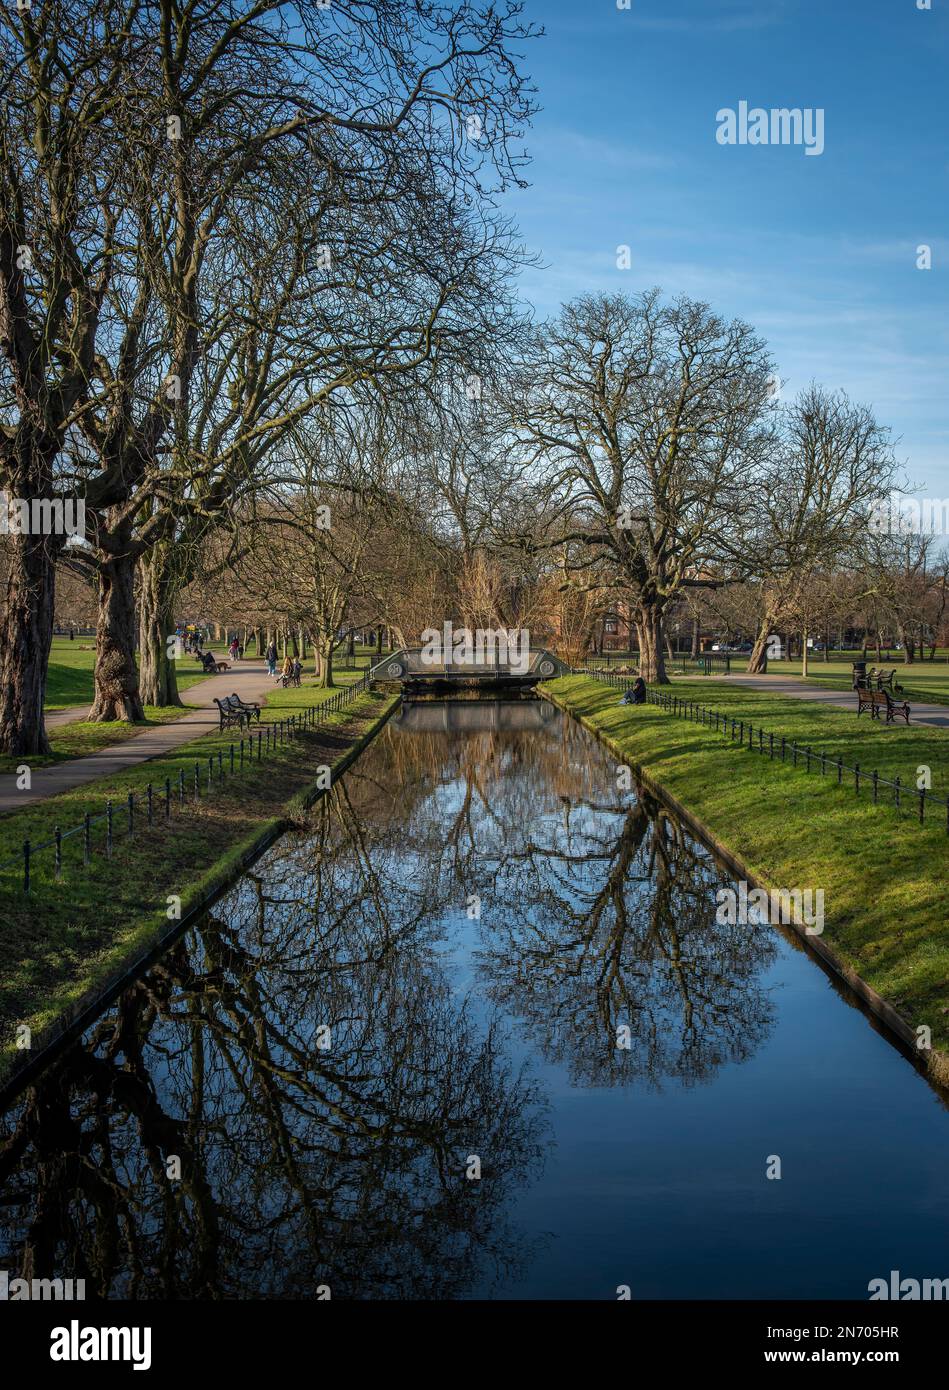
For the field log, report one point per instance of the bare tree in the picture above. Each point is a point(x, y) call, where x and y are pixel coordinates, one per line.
point(813, 508)
point(649, 419)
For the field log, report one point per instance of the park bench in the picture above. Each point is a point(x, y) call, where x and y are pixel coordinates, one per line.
point(877, 700)
point(884, 680)
point(251, 709)
point(232, 714)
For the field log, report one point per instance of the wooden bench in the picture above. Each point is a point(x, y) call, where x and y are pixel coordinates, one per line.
point(877, 700)
point(251, 709)
point(231, 714)
point(884, 680)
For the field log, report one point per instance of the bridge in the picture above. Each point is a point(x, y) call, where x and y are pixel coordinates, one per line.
point(418, 673)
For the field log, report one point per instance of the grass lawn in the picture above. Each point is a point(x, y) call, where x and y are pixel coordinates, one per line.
point(69, 935)
point(884, 876)
point(69, 680)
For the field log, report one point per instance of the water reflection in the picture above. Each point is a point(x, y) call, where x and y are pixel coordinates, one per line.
point(328, 1050)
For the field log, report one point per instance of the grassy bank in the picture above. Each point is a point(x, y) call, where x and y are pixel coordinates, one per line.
point(69, 937)
point(883, 874)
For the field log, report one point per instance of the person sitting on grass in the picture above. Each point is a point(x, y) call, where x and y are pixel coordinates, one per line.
point(636, 696)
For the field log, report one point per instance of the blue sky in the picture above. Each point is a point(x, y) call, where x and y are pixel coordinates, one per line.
point(818, 253)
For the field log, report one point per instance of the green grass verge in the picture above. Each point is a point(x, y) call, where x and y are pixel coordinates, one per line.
point(69, 678)
point(883, 875)
point(69, 937)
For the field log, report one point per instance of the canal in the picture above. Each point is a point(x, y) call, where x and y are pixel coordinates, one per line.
point(475, 1031)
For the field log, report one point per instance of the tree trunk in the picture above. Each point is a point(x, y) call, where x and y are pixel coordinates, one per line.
point(326, 666)
point(156, 623)
point(758, 661)
point(26, 635)
point(116, 677)
point(909, 646)
point(652, 665)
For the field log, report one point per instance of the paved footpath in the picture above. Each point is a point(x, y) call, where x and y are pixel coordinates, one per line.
point(248, 679)
point(931, 716)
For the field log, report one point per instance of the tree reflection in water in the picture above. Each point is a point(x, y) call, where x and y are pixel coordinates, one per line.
point(305, 1164)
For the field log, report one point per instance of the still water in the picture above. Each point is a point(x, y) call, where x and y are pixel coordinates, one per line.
point(480, 956)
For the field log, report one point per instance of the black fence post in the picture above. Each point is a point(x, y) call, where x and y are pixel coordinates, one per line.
point(58, 836)
point(26, 866)
point(108, 828)
point(181, 786)
point(130, 803)
point(86, 838)
point(150, 810)
point(897, 787)
point(167, 798)
point(876, 781)
point(856, 777)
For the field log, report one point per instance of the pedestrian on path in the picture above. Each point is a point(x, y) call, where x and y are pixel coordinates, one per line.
point(272, 659)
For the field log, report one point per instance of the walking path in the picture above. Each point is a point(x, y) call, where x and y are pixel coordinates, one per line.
point(932, 716)
point(248, 680)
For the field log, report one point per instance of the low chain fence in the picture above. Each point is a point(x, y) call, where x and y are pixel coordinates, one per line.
point(779, 747)
point(198, 778)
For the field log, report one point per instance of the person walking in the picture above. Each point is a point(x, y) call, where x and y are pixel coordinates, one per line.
point(272, 659)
